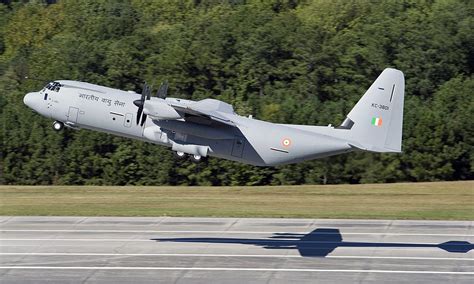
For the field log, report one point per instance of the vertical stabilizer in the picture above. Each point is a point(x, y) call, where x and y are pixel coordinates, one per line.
point(376, 121)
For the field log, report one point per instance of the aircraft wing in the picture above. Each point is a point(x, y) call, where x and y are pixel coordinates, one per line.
point(204, 111)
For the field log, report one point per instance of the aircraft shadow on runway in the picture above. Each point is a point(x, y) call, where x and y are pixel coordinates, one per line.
point(318, 243)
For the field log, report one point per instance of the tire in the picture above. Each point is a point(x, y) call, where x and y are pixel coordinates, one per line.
point(58, 125)
point(196, 158)
point(180, 155)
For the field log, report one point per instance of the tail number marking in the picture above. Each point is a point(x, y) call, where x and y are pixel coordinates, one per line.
point(382, 107)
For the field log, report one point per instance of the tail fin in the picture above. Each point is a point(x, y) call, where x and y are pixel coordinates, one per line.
point(376, 121)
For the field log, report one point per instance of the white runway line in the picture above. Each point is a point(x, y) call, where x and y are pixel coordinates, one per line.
point(229, 232)
point(233, 269)
point(230, 255)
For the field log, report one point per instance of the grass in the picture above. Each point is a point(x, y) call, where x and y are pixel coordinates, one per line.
point(436, 201)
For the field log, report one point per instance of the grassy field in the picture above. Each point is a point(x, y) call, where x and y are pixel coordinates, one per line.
point(440, 200)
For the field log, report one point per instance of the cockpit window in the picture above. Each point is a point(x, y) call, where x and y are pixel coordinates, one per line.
point(53, 86)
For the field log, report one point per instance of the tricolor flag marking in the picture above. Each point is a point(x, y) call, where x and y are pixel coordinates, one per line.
point(377, 121)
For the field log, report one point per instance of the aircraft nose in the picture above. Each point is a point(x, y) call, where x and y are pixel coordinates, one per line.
point(30, 99)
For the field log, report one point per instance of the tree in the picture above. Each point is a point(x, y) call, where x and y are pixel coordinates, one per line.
point(287, 61)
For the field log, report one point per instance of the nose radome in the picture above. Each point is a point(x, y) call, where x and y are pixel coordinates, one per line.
point(29, 99)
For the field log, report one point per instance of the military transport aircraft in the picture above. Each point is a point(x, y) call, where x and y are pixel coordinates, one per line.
point(197, 129)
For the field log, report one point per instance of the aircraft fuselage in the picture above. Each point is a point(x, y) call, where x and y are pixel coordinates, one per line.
point(83, 105)
point(211, 127)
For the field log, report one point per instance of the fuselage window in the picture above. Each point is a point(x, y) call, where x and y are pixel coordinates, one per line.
point(45, 96)
point(53, 86)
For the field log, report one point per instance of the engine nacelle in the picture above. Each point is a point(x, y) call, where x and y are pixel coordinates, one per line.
point(159, 109)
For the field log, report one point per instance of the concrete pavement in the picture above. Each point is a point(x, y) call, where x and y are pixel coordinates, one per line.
point(233, 250)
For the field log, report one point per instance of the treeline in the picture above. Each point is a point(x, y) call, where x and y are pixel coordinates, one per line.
point(286, 61)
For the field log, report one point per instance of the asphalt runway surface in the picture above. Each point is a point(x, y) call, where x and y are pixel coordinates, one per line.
point(233, 250)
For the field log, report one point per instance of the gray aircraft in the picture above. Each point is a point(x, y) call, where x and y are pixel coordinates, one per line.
point(197, 129)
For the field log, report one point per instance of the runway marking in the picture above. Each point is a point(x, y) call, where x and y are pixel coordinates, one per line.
point(235, 269)
point(232, 255)
point(231, 232)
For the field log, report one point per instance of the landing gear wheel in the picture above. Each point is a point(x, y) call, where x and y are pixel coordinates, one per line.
point(196, 158)
point(180, 155)
point(58, 125)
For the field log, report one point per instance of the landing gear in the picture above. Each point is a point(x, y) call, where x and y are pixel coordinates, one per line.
point(58, 125)
point(195, 158)
point(180, 155)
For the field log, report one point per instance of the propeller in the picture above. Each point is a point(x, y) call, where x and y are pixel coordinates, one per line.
point(146, 94)
point(161, 93)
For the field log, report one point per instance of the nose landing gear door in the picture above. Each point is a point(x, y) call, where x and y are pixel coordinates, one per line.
point(72, 114)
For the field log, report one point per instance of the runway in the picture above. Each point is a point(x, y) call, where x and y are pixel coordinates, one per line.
point(233, 250)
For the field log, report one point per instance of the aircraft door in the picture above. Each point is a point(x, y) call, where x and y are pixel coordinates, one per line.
point(238, 147)
point(72, 114)
point(127, 122)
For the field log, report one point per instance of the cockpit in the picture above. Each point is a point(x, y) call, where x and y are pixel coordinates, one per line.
point(53, 86)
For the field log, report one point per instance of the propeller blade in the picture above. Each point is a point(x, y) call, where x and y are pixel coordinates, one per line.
point(139, 112)
point(145, 89)
point(139, 103)
point(143, 119)
point(162, 90)
point(148, 93)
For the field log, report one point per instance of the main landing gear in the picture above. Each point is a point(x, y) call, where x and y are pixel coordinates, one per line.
point(180, 155)
point(58, 125)
point(194, 158)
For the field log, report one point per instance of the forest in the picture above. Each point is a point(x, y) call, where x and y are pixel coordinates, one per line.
point(285, 61)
